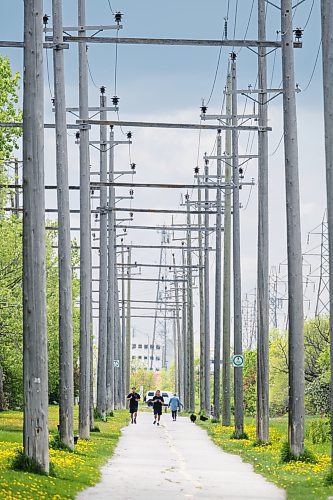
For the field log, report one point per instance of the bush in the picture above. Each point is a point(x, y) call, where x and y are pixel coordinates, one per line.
point(215, 421)
point(320, 431)
point(317, 397)
point(57, 444)
point(242, 435)
point(21, 462)
point(328, 480)
point(287, 456)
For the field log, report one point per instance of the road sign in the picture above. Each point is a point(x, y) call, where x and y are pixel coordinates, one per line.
point(116, 363)
point(237, 361)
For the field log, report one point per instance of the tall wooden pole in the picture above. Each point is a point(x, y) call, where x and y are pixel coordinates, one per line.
point(202, 306)
point(238, 341)
point(185, 395)
point(207, 301)
point(226, 375)
point(218, 282)
point(180, 347)
point(85, 241)
point(103, 274)
point(327, 51)
point(190, 333)
point(128, 323)
point(110, 329)
point(263, 255)
point(66, 380)
point(123, 326)
point(294, 248)
point(35, 372)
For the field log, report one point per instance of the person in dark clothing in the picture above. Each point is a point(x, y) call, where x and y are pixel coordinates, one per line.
point(158, 402)
point(133, 398)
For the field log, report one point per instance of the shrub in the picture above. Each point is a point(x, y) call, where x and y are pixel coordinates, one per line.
point(215, 421)
point(317, 397)
point(287, 456)
point(319, 431)
point(236, 435)
point(57, 444)
point(21, 462)
point(328, 480)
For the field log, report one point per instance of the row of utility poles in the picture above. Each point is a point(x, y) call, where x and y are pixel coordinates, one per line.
point(112, 337)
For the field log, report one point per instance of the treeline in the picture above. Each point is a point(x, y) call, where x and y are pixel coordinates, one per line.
point(316, 369)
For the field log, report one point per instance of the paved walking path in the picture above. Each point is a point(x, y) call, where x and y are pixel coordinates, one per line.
point(174, 461)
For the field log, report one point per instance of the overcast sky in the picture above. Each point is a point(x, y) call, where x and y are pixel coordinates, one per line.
point(167, 84)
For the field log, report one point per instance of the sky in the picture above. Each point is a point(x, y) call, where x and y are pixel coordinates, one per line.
point(156, 83)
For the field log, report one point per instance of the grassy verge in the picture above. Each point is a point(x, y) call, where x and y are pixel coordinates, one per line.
point(74, 471)
point(300, 480)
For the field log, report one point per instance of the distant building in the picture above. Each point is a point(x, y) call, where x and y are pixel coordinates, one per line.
point(146, 353)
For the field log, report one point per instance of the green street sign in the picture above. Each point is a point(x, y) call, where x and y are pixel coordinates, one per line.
point(237, 361)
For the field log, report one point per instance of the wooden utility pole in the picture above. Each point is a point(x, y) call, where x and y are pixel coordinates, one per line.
point(180, 346)
point(128, 324)
point(327, 51)
point(294, 248)
point(66, 378)
point(226, 412)
point(35, 371)
point(190, 333)
point(207, 301)
point(110, 329)
point(218, 281)
point(202, 306)
point(123, 326)
point(85, 235)
point(185, 395)
point(263, 250)
point(238, 347)
point(103, 274)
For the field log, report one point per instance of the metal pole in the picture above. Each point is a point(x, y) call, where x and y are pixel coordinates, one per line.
point(202, 308)
point(238, 348)
point(128, 325)
point(263, 249)
point(17, 194)
point(85, 233)
point(327, 50)
point(218, 274)
point(66, 389)
point(103, 274)
point(35, 372)
point(110, 371)
point(206, 284)
point(190, 333)
point(226, 375)
point(294, 249)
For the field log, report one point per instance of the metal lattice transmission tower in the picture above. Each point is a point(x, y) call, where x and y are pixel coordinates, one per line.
point(249, 319)
point(160, 325)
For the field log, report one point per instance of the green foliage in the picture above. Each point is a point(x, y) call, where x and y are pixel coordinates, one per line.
point(317, 397)
point(328, 479)
point(215, 421)
point(21, 462)
point(9, 86)
point(95, 429)
point(249, 382)
point(287, 456)
point(241, 435)
point(320, 431)
point(57, 444)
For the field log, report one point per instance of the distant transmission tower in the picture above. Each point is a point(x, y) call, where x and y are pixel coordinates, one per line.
point(249, 319)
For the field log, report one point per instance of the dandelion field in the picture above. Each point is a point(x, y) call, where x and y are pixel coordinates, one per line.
point(301, 480)
point(73, 471)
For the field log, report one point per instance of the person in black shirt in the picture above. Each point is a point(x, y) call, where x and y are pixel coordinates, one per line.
point(133, 398)
point(158, 402)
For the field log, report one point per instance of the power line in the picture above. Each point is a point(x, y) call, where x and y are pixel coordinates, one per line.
point(314, 68)
point(112, 11)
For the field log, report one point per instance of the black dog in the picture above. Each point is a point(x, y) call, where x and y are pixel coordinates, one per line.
point(193, 418)
point(203, 418)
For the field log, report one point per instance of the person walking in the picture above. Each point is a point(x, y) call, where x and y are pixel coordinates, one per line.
point(133, 398)
point(158, 402)
point(175, 405)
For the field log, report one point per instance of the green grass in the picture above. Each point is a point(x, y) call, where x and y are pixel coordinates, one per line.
point(74, 471)
point(301, 480)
